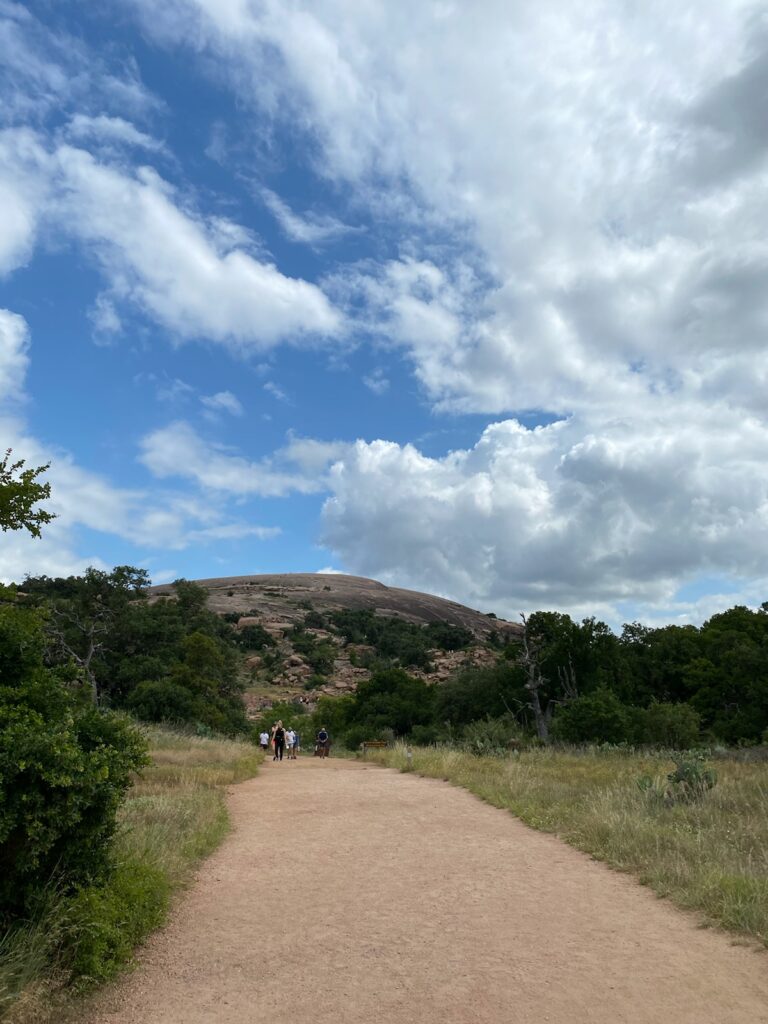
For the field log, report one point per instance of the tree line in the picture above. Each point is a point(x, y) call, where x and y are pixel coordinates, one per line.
point(579, 682)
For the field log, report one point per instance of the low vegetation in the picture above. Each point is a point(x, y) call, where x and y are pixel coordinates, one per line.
point(699, 838)
point(173, 815)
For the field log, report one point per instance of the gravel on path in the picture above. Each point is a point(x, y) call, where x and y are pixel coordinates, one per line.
point(351, 893)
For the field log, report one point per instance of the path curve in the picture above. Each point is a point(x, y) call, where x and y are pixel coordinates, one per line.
point(350, 893)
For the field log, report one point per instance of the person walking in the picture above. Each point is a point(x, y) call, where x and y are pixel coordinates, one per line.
point(279, 741)
point(323, 742)
point(264, 741)
point(290, 739)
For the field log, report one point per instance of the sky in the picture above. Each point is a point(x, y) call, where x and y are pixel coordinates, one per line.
point(467, 298)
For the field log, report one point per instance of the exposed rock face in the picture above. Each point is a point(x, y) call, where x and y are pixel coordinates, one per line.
point(282, 599)
point(278, 602)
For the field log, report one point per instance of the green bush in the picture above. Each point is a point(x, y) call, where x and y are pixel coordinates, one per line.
point(597, 717)
point(315, 681)
point(64, 768)
point(162, 701)
point(254, 638)
point(107, 921)
point(668, 725)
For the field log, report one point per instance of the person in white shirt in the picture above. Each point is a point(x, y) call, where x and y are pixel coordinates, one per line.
point(290, 741)
point(264, 741)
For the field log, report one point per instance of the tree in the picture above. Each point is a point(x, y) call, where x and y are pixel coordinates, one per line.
point(83, 610)
point(19, 493)
point(541, 633)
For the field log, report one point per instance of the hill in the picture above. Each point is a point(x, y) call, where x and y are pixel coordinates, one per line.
point(311, 634)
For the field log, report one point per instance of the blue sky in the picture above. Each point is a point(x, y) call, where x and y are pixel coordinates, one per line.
point(468, 300)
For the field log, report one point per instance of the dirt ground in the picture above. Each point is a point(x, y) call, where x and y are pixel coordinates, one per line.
point(350, 893)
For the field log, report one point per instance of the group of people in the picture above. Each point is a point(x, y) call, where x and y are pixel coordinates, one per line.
point(287, 741)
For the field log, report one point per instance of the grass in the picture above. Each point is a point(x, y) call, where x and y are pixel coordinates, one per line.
point(173, 816)
point(709, 856)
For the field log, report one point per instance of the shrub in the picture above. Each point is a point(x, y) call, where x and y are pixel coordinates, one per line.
point(315, 681)
point(314, 620)
point(106, 922)
point(64, 768)
point(492, 736)
point(254, 638)
point(668, 725)
point(163, 701)
point(597, 717)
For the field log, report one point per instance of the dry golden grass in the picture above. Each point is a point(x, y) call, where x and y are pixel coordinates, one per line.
point(710, 855)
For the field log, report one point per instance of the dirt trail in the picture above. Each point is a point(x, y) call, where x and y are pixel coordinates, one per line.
point(350, 893)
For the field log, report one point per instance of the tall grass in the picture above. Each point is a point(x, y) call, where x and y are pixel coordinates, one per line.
point(709, 855)
point(173, 816)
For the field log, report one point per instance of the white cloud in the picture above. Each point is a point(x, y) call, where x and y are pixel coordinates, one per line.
point(312, 456)
point(311, 228)
point(222, 401)
point(109, 131)
point(178, 268)
point(179, 451)
point(14, 355)
point(195, 276)
point(23, 194)
point(560, 516)
point(377, 382)
point(105, 319)
point(276, 391)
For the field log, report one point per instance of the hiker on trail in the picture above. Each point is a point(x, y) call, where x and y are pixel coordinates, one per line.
point(290, 739)
point(323, 742)
point(279, 739)
point(264, 740)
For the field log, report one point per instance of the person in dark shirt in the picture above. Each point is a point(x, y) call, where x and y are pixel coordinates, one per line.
point(323, 742)
point(279, 739)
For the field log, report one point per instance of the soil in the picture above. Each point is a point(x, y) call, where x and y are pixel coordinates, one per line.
point(351, 893)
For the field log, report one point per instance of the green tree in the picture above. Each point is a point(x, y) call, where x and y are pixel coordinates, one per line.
point(20, 491)
point(597, 717)
point(64, 768)
point(392, 699)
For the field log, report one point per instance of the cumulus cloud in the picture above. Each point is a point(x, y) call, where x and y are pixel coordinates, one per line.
point(580, 194)
point(560, 516)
